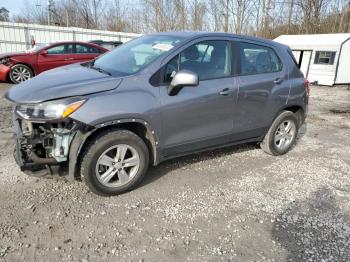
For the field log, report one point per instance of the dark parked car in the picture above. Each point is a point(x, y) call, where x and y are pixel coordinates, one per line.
point(19, 67)
point(110, 45)
point(157, 97)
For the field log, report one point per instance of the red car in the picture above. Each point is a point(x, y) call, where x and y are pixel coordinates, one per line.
point(19, 67)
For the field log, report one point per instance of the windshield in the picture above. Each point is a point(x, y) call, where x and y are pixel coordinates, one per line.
point(135, 55)
point(37, 47)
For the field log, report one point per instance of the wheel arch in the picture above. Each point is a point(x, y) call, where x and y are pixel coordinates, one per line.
point(26, 64)
point(298, 110)
point(21, 63)
point(138, 126)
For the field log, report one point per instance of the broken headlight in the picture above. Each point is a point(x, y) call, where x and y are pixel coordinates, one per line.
point(4, 60)
point(52, 110)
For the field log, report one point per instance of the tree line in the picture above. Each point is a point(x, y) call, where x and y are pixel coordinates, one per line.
point(266, 18)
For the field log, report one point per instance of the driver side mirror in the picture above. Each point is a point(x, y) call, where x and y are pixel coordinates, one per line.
point(181, 79)
point(44, 53)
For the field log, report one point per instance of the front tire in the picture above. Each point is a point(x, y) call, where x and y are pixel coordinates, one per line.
point(114, 162)
point(282, 134)
point(20, 73)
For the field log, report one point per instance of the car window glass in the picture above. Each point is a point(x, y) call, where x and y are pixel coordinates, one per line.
point(60, 49)
point(85, 49)
point(257, 59)
point(135, 55)
point(69, 49)
point(209, 60)
point(108, 46)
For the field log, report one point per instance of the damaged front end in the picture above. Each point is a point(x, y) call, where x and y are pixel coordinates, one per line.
point(44, 133)
point(42, 148)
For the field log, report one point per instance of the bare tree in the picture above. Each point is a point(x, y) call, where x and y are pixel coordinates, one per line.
point(290, 14)
point(268, 18)
point(265, 16)
point(311, 10)
point(226, 15)
point(216, 17)
point(4, 14)
point(197, 11)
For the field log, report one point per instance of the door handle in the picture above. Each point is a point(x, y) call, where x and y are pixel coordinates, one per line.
point(67, 59)
point(278, 80)
point(225, 92)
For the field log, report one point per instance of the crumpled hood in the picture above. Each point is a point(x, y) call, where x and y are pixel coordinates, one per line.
point(3, 55)
point(67, 81)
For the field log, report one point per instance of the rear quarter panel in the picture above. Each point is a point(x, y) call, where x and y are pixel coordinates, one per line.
point(297, 95)
point(291, 92)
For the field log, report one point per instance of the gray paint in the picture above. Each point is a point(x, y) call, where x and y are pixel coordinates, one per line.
point(213, 113)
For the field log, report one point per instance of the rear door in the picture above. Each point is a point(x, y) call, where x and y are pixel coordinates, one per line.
point(262, 84)
point(83, 53)
point(56, 56)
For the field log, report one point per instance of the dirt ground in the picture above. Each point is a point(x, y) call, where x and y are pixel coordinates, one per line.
point(235, 204)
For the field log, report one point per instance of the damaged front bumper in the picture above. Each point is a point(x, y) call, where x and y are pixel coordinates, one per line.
point(4, 71)
point(42, 148)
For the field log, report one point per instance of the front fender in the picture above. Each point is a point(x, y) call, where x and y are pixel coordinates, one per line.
point(126, 103)
point(82, 136)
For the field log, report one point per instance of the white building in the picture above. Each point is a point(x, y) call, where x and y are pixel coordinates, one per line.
point(323, 58)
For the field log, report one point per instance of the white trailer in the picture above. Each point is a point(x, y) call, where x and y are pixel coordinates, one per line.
point(323, 58)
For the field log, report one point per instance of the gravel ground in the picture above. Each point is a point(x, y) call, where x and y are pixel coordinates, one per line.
point(235, 204)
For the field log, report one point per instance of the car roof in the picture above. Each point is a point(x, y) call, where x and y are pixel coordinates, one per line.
point(103, 41)
point(76, 42)
point(196, 34)
point(72, 42)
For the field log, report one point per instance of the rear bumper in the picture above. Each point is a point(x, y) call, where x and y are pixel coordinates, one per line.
point(4, 70)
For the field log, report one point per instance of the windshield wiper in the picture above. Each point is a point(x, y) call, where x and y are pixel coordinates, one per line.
point(101, 70)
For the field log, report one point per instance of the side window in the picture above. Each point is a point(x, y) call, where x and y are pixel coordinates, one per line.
point(324, 57)
point(108, 46)
point(257, 59)
point(85, 49)
point(209, 60)
point(60, 49)
point(56, 50)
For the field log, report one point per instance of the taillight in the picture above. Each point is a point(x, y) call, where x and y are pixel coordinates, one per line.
point(307, 86)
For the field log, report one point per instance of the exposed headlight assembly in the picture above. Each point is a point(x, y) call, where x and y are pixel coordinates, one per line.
point(52, 110)
point(4, 60)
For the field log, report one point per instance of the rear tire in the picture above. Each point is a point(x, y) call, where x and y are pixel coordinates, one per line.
point(20, 73)
point(114, 162)
point(282, 134)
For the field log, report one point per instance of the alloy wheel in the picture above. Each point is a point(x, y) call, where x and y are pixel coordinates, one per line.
point(285, 134)
point(20, 74)
point(117, 165)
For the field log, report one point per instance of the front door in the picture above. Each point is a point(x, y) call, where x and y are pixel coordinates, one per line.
point(58, 55)
point(200, 116)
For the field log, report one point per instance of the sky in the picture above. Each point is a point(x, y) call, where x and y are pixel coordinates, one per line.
point(15, 6)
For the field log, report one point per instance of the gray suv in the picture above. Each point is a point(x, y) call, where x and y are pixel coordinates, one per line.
point(157, 97)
